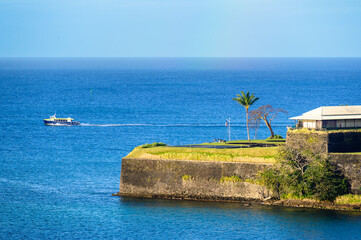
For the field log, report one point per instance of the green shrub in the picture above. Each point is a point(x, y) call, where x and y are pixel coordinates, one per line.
point(303, 174)
point(155, 144)
point(272, 179)
point(323, 181)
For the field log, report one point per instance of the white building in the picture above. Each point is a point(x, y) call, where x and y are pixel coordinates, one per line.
point(331, 118)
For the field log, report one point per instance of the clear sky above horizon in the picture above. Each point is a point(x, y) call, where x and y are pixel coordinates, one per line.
point(180, 28)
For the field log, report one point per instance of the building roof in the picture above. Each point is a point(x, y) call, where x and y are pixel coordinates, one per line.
point(332, 113)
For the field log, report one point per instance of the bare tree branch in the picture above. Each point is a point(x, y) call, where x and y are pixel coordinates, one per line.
point(267, 113)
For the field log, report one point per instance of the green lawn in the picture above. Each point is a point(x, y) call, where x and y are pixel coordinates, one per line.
point(256, 154)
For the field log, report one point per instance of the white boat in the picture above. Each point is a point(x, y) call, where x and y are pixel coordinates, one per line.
point(54, 121)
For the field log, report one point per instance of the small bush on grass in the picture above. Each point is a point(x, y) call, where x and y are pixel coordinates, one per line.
point(155, 144)
point(275, 137)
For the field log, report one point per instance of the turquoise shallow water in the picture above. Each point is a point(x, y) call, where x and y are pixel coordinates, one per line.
point(56, 182)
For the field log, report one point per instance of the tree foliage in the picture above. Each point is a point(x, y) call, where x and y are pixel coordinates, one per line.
point(266, 113)
point(246, 100)
point(301, 173)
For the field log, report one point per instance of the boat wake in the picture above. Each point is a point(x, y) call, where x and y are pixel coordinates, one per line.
point(112, 125)
point(168, 125)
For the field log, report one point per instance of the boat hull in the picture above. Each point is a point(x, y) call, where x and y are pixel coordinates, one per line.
point(56, 123)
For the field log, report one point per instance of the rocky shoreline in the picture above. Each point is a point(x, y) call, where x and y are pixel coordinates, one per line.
point(295, 203)
point(306, 203)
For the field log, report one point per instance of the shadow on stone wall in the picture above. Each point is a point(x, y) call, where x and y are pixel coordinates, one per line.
point(344, 142)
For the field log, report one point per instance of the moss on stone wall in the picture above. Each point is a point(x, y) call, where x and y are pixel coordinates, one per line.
point(230, 179)
point(187, 177)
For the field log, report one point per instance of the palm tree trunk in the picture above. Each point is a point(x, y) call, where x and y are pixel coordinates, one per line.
point(247, 123)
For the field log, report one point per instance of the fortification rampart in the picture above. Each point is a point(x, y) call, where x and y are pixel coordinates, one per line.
point(198, 180)
point(327, 141)
point(350, 166)
point(208, 180)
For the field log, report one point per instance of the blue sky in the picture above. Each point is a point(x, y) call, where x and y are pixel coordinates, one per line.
point(180, 28)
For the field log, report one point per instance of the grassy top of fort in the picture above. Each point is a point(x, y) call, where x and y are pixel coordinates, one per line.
point(256, 151)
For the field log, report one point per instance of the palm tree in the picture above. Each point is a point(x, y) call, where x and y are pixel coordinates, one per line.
point(246, 101)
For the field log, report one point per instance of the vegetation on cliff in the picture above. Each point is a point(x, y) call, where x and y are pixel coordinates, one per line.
point(300, 172)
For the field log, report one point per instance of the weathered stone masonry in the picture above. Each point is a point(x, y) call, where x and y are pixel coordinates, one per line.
point(327, 142)
point(196, 180)
point(350, 166)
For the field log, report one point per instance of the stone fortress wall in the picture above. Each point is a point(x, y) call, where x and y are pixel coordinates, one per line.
point(202, 180)
point(197, 180)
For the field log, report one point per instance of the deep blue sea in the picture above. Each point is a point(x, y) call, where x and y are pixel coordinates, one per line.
point(56, 182)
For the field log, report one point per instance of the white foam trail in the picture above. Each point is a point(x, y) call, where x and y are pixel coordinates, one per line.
point(111, 125)
point(169, 125)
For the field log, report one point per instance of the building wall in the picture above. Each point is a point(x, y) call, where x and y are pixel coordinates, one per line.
point(309, 124)
point(332, 124)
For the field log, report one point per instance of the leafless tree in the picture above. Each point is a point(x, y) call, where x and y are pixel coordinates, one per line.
point(266, 113)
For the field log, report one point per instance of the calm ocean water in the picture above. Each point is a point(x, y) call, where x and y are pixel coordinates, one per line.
point(56, 182)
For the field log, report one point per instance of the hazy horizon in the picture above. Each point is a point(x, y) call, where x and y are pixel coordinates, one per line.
point(164, 28)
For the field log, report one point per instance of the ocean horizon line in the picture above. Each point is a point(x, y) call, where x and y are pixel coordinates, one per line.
point(179, 57)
